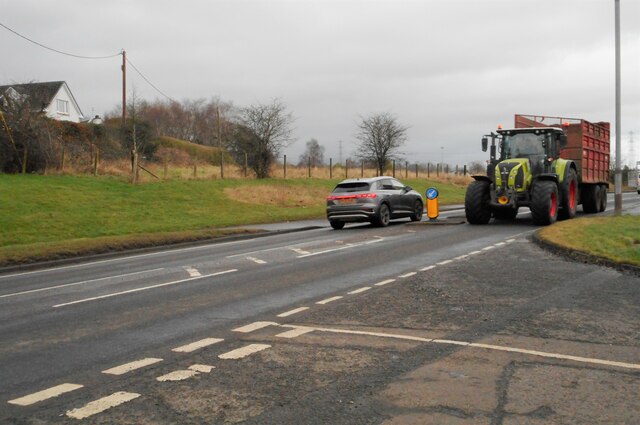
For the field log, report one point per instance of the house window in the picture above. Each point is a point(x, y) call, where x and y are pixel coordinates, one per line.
point(63, 106)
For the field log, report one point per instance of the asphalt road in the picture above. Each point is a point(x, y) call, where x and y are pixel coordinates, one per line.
point(460, 284)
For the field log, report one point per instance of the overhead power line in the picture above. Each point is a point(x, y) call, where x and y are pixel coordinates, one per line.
point(56, 50)
point(149, 82)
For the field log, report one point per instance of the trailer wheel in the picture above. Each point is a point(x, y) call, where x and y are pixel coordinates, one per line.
point(544, 202)
point(569, 196)
point(591, 199)
point(603, 197)
point(476, 203)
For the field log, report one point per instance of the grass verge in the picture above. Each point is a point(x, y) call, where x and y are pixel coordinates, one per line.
point(613, 238)
point(49, 217)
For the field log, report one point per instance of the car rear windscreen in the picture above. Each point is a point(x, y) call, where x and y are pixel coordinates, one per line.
point(351, 187)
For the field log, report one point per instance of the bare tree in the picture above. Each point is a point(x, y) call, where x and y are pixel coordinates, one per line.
point(314, 153)
point(264, 131)
point(477, 167)
point(380, 138)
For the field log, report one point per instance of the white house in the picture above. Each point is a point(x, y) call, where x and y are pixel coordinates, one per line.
point(53, 98)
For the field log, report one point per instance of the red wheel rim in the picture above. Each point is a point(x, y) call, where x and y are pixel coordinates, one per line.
point(572, 194)
point(554, 205)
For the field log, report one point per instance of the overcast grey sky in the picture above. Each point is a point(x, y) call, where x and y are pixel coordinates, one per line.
point(449, 69)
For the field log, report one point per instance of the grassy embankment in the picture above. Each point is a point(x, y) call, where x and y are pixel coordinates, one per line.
point(613, 238)
point(46, 217)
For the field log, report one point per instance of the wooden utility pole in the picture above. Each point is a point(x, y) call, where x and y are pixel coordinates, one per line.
point(124, 88)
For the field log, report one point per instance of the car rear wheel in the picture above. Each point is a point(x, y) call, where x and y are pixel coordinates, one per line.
point(418, 210)
point(384, 215)
point(337, 225)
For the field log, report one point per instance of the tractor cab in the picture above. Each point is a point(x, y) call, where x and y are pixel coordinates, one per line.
point(541, 146)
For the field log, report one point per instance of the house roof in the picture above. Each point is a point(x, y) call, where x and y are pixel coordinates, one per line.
point(40, 95)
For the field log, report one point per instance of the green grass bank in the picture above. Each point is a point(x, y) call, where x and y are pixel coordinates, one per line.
point(45, 217)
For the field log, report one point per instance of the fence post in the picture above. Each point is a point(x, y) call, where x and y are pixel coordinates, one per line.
point(406, 169)
point(309, 166)
point(428, 169)
point(394, 167)
point(438, 169)
point(362, 168)
point(285, 166)
point(346, 169)
point(416, 170)
point(330, 168)
point(465, 169)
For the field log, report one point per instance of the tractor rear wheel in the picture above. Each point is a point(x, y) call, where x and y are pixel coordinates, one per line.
point(476, 203)
point(569, 202)
point(544, 202)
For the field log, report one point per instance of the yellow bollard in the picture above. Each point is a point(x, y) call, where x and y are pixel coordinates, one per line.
point(432, 203)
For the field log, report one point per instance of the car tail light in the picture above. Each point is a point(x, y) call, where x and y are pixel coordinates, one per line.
point(359, 196)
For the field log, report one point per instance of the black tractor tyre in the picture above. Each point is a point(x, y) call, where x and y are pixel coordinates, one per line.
point(569, 200)
point(544, 202)
point(383, 217)
point(603, 198)
point(336, 224)
point(418, 210)
point(476, 203)
point(505, 214)
point(591, 199)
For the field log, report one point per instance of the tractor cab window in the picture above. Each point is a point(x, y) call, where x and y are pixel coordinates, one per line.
point(523, 145)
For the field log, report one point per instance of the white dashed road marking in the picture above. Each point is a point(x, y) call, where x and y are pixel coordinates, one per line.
point(177, 375)
point(193, 272)
point(294, 333)
point(487, 248)
point(359, 290)
point(510, 240)
point(384, 282)
point(128, 367)
point(442, 263)
point(294, 311)
point(45, 394)
point(202, 368)
point(328, 300)
point(424, 269)
point(102, 404)
point(197, 345)
point(407, 275)
point(256, 260)
point(299, 251)
point(253, 327)
point(244, 351)
point(475, 252)
point(462, 257)
point(501, 243)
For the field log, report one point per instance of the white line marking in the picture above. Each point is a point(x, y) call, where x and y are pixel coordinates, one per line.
point(166, 252)
point(102, 404)
point(294, 311)
point(197, 345)
point(501, 243)
point(128, 367)
point(479, 345)
point(177, 375)
point(462, 257)
point(294, 333)
point(407, 275)
point(359, 290)
point(144, 288)
point(202, 368)
point(299, 251)
point(475, 252)
point(510, 240)
point(427, 268)
point(77, 283)
point(244, 351)
point(45, 394)
point(442, 263)
point(411, 231)
point(347, 246)
point(193, 272)
point(487, 248)
point(256, 260)
point(328, 300)
point(253, 327)
point(384, 282)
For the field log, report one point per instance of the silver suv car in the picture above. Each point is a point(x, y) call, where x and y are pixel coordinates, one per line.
point(376, 200)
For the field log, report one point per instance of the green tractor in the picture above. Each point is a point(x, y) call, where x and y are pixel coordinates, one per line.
point(526, 172)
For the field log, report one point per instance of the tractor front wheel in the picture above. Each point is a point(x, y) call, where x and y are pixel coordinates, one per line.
point(569, 202)
point(544, 202)
point(476, 203)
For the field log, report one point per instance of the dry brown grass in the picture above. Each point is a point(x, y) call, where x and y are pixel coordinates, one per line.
point(278, 195)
